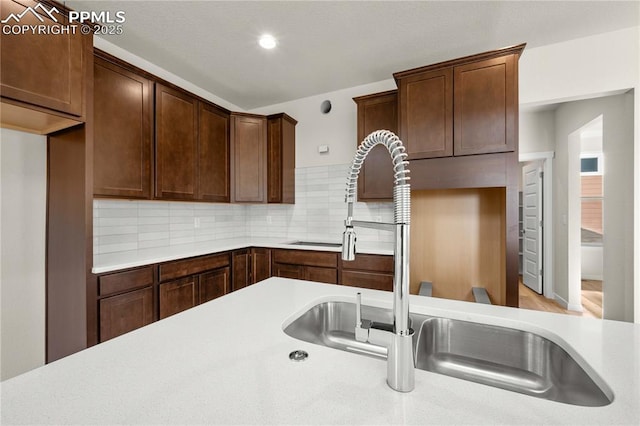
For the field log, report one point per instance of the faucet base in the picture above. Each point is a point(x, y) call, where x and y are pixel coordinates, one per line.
point(400, 363)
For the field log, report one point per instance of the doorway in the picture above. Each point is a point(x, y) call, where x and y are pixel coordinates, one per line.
point(555, 130)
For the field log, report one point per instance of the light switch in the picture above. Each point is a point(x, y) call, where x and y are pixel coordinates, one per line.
point(323, 149)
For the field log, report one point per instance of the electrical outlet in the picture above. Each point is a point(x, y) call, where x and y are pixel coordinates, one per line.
point(196, 222)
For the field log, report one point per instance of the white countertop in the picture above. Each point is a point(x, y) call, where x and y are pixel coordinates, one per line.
point(129, 259)
point(226, 362)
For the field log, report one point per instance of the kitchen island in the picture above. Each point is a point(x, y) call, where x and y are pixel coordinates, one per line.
point(227, 362)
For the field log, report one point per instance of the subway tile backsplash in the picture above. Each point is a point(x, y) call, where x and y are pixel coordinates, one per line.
point(318, 215)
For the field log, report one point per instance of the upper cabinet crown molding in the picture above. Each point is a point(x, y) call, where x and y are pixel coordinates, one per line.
point(511, 50)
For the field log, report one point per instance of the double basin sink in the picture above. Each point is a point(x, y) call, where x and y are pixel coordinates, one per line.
point(507, 358)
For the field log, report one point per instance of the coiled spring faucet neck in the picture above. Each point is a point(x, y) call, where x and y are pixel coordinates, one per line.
point(401, 187)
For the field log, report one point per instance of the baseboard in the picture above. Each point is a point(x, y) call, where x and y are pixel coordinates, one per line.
point(566, 305)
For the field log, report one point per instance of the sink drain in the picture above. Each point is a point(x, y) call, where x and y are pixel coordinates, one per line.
point(298, 355)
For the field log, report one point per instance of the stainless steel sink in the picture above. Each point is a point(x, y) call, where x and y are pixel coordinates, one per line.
point(507, 358)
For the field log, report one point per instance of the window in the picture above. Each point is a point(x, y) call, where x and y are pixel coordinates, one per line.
point(591, 164)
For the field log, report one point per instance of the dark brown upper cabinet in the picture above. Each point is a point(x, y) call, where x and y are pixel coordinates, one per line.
point(43, 76)
point(123, 141)
point(248, 158)
point(213, 154)
point(378, 111)
point(426, 114)
point(486, 106)
point(460, 107)
point(281, 161)
point(176, 144)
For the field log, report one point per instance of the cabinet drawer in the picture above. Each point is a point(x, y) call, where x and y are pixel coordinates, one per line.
point(305, 257)
point(122, 281)
point(195, 265)
point(367, 280)
point(321, 275)
point(284, 270)
point(370, 262)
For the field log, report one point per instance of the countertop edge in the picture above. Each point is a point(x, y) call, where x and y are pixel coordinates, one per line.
point(110, 262)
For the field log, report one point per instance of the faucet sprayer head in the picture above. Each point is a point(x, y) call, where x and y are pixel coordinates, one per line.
point(349, 244)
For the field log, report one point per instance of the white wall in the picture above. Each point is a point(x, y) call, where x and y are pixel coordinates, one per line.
point(591, 264)
point(580, 68)
point(537, 131)
point(618, 219)
point(336, 129)
point(141, 63)
point(23, 181)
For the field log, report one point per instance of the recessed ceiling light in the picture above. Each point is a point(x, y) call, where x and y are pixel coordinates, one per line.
point(267, 41)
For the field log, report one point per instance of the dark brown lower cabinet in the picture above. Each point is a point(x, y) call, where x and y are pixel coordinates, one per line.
point(240, 262)
point(178, 295)
point(319, 274)
point(250, 266)
point(368, 271)
point(284, 270)
point(305, 265)
point(260, 264)
point(133, 298)
point(214, 284)
point(373, 280)
point(125, 312)
point(185, 293)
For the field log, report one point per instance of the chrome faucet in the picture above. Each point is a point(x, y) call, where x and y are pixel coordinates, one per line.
point(396, 337)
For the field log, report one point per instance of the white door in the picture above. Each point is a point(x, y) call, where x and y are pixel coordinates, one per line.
point(532, 226)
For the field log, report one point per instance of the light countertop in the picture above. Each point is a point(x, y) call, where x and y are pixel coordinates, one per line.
point(128, 259)
point(226, 362)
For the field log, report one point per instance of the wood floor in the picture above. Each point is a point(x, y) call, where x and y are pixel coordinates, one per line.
point(591, 300)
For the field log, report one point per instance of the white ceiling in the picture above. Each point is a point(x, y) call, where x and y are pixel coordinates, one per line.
point(326, 45)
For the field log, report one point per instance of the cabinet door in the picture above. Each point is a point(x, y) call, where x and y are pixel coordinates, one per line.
point(213, 143)
point(214, 284)
point(285, 270)
point(125, 312)
point(376, 112)
point(241, 269)
point(41, 69)
point(281, 152)
point(179, 295)
point(176, 144)
point(426, 114)
point(260, 264)
point(486, 106)
point(123, 120)
point(322, 275)
point(249, 150)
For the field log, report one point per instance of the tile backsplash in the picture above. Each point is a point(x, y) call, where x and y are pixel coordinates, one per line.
point(318, 214)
